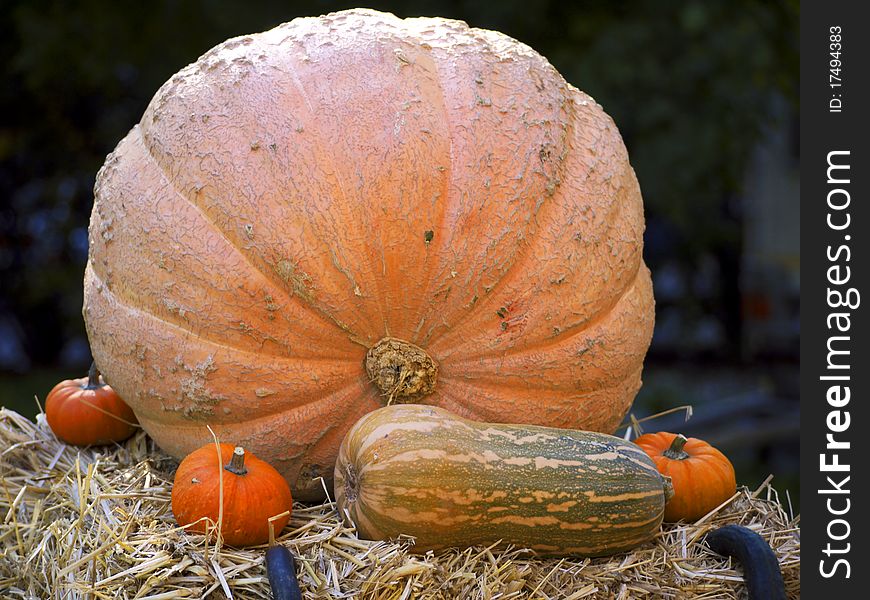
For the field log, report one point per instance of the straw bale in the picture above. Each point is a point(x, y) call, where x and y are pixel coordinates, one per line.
point(97, 523)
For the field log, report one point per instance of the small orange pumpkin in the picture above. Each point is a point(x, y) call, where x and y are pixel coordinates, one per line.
point(703, 477)
point(88, 412)
point(253, 491)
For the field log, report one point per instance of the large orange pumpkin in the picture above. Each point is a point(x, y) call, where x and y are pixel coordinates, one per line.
point(355, 209)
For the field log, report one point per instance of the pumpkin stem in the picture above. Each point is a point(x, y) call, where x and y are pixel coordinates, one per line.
point(401, 371)
point(236, 466)
point(676, 452)
point(93, 377)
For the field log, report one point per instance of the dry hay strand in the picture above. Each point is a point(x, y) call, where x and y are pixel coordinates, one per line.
point(97, 523)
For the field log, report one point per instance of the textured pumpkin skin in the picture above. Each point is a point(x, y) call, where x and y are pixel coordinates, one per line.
point(701, 482)
point(83, 414)
point(249, 499)
point(448, 481)
point(297, 195)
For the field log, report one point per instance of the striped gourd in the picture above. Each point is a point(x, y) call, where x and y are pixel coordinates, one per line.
point(425, 472)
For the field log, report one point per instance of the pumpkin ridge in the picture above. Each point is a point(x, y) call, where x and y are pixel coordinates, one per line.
point(336, 387)
point(545, 344)
point(633, 380)
point(520, 256)
point(198, 426)
point(151, 203)
point(373, 278)
point(513, 50)
point(614, 210)
point(125, 303)
point(447, 199)
point(315, 311)
point(456, 380)
point(566, 417)
point(130, 300)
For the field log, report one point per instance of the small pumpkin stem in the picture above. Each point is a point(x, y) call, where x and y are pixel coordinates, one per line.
point(236, 466)
point(676, 452)
point(93, 377)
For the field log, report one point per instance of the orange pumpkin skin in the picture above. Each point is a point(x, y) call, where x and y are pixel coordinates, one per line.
point(702, 480)
point(249, 498)
point(301, 211)
point(86, 412)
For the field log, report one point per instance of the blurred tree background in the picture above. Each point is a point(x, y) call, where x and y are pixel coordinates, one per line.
point(703, 91)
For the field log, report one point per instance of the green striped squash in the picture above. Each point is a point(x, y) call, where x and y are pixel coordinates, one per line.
point(447, 481)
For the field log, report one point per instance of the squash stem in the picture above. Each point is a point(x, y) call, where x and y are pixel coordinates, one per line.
point(676, 452)
point(669, 488)
point(236, 466)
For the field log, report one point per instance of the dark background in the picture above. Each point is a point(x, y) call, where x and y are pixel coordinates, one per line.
point(823, 132)
point(704, 93)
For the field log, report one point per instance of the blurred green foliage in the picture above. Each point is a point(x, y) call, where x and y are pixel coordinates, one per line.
point(688, 83)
